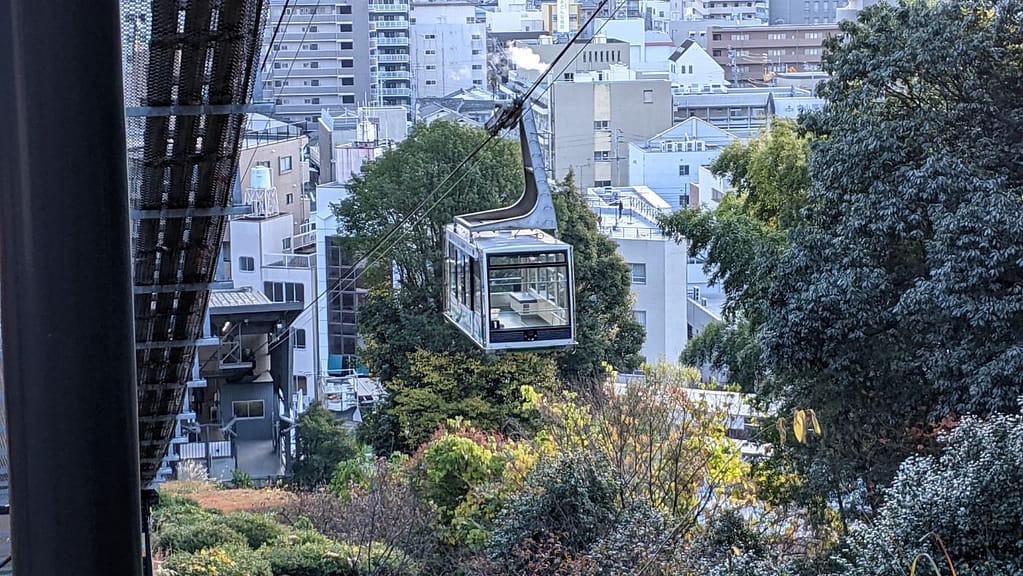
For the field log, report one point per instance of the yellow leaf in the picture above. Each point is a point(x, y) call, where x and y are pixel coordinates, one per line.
point(736, 551)
point(799, 425)
point(815, 423)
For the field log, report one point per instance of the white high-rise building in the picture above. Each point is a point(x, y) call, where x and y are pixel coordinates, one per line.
point(449, 47)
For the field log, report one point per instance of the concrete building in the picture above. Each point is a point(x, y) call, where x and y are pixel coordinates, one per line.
point(743, 11)
point(281, 147)
point(337, 55)
point(470, 107)
point(804, 12)
point(753, 53)
point(741, 111)
point(658, 264)
point(449, 48)
point(586, 115)
point(670, 163)
point(389, 125)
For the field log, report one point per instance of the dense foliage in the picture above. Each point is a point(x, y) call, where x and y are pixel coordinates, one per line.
point(321, 444)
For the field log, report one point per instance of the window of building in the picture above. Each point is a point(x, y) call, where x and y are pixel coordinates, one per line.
point(289, 198)
point(312, 100)
point(430, 36)
point(347, 63)
point(430, 52)
point(601, 155)
point(284, 291)
point(299, 338)
point(344, 9)
point(813, 35)
point(431, 82)
point(477, 52)
point(477, 82)
point(302, 385)
point(346, 45)
point(348, 98)
point(470, 20)
point(431, 66)
point(601, 183)
point(569, 76)
point(638, 272)
point(716, 53)
point(345, 27)
point(311, 47)
point(477, 37)
point(776, 36)
point(715, 36)
point(225, 251)
point(740, 36)
point(284, 164)
point(600, 124)
point(648, 96)
point(813, 51)
point(776, 52)
point(246, 263)
point(348, 81)
point(640, 316)
point(683, 170)
point(477, 66)
point(247, 409)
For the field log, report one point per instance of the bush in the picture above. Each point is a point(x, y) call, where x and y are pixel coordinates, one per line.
point(193, 537)
point(307, 553)
point(177, 511)
point(241, 479)
point(258, 529)
point(226, 561)
point(970, 496)
point(322, 444)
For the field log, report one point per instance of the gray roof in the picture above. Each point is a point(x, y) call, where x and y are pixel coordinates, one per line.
point(720, 100)
point(680, 50)
point(237, 297)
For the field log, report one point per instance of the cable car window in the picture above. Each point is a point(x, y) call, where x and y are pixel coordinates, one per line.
point(529, 290)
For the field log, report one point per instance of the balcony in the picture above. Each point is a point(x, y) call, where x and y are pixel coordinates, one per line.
point(391, 57)
point(291, 261)
point(388, 25)
point(389, 7)
point(394, 75)
point(399, 92)
point(392, 41)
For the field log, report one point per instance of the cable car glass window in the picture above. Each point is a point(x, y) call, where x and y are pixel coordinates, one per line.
point(529, 290)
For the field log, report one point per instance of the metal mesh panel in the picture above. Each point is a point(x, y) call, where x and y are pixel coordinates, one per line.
point(179, 53)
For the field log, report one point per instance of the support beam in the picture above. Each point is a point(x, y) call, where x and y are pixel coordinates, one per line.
point(69, 360)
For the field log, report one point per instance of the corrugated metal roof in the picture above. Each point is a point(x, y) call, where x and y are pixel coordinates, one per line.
point(237, 297)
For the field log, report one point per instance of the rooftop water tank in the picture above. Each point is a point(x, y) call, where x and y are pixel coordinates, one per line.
point(261, 178)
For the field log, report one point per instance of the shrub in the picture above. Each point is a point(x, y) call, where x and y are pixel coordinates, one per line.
point(258, 529)
point(307, 553)
point(226, 561)
point(194, 537)
point(970, 496)
point(174, 510)
point(241, 479)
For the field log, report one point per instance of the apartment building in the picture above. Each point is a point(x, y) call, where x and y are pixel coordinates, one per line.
point(740, 11)
point(449, 47)
point(281, 147)
point(670, 162)
point(803, 12)
point(628, 215)
point(753, 54)
point(336, 55)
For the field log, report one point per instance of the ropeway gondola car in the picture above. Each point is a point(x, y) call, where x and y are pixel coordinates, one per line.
point(509, 280)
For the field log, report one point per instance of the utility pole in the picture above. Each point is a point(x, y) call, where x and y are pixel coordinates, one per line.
point(69, 350)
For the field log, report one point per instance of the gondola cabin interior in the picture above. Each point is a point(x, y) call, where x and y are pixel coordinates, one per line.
point(510, 289)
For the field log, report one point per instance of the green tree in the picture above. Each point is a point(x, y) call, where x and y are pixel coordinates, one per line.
point(901, 299)
point(322, 444)
point(742, 242)
point(606, 330)
point(431, 370)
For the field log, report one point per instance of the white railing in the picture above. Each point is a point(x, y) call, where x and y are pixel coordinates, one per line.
point(631, 232)
point(391, 41)
point(392, 57)
point(388, 25)
point(197, 450)
point(396, 92)
point(299, 241)
point(389, 7)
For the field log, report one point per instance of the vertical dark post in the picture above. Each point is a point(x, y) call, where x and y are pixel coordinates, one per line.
point(68, 345)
